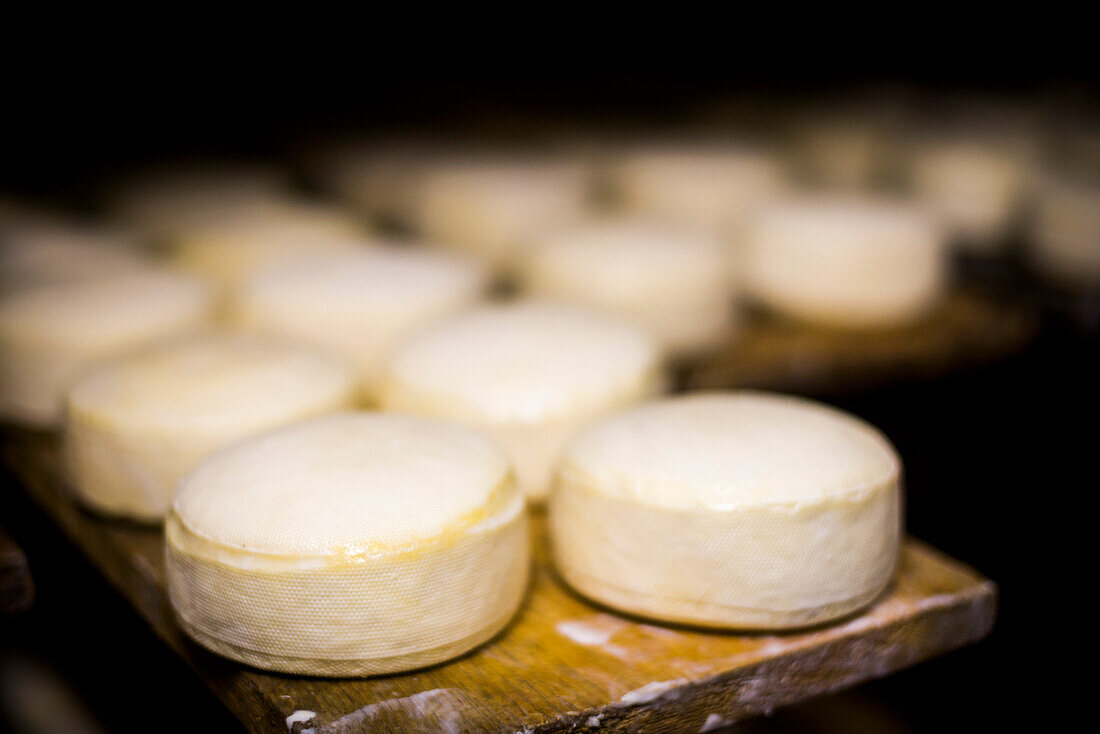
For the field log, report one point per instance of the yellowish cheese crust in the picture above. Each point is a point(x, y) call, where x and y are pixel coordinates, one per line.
point(775, 566)
point(366, 611)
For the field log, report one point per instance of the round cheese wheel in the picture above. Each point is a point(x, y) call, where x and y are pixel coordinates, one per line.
point(352, 544)
point(716, 187)
point(741, 510)
point(359, 304)
point(670, 279)
point(1065, 245)
point(846, 261)
point(491, 208)
point(839, 151)
point(380, 177)
point(976, 190)
point(136, 427)
point(529, 374)
point(226, 248)
point(167, 200)
point(55, 253)
point(50, 336)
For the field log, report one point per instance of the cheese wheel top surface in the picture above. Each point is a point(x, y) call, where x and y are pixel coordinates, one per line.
point(723, 451)
point(515, 182)
point(701, 183)
point(274, 219)
point(52, 253)
point(632, 254)
point(845, 224)
point(346, 485)
point(101, 310)
point(974, 188)
point(179, 195)
point(525, 361)
point(713, 163)
point(367, 280)
point(961, 168)
point(1068, 209)
point(213, 383)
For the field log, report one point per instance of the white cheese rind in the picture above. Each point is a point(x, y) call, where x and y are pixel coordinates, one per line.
point(229, 246)
point(976, 190)
point(493, 207)
point(846, 261)
point(136, 427)
point(379, 616)
point(37, 254)
point(727, 542)
point(358, 304)
point(50, 336)
point(382, 177)
point(166, 201)
point(529, 373)
point(716, 187)
point(671, 280)
point(409, 518)
point(1065, 246)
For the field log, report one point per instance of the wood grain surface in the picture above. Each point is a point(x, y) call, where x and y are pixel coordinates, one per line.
point(564, 664)
point(773, 353)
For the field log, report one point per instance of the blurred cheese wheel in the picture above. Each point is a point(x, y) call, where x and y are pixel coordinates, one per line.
point(137, 426)
point(382, 178)
point(1066, 237)
point(228, 247)
point(740, 510)
point(845, 261)
point(50, 336)
point(976, 190)
point(359, 304)
point(169, 199)
point(715, 187)
point(491, 208)
point(672, 280)
point(842, 152)
point(529, 374)
point(353, 544)
point(56, 253)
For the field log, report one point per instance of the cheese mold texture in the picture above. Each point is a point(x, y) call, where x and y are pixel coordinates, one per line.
point(671, 280)
point(136, 427)
point(528, 373)
point(353, 544)
point(359, 304)
point(739, 510)
point(51, 335)
point(846, 261)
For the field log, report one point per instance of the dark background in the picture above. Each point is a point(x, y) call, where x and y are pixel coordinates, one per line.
point(999, 459)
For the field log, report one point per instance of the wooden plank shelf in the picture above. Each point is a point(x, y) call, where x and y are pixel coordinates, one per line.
point(563, 664)
point(773, 353)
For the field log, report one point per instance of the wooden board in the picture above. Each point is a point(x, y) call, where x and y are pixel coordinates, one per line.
point(773, 353)
point(563, 664)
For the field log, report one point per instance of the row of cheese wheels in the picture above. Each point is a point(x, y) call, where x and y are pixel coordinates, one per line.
point(305, 538)
point(363, 543)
